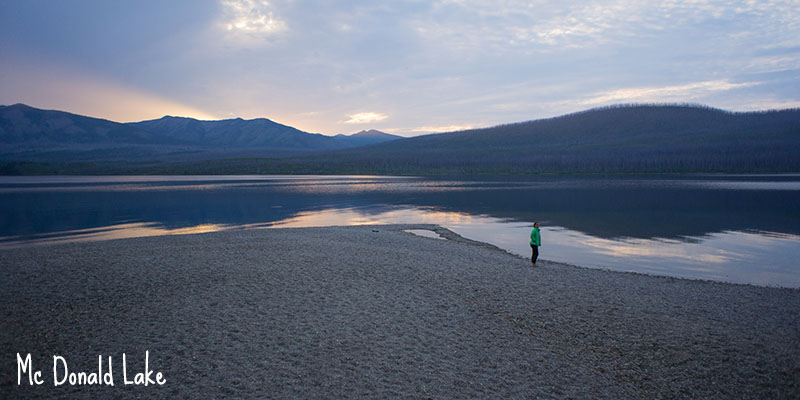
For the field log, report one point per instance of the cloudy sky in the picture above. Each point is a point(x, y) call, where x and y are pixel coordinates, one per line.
point(406, 67)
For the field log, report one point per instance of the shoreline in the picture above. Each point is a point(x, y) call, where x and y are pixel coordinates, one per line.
point(374, 311)
point(49, 239)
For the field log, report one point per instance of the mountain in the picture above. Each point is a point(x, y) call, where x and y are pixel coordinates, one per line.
point(619, 139)
point(32, 134)
point(26, 127)
point(374, 135)
point(637, 138)
point(366, 137)
point(236, 133)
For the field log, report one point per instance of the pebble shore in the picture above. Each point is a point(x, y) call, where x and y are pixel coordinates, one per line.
point(377, 312)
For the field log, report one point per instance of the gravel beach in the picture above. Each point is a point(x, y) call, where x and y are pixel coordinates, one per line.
point(376, 312)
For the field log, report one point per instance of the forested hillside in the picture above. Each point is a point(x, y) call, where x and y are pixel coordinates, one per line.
point(615, 139)
point(620, 139)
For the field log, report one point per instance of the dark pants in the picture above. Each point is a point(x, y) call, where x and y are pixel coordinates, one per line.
point(535, 253)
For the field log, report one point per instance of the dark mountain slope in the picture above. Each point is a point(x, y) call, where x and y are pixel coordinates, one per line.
point(34, 135)
point(626, 126)
point(622, 139)
point(237, 133)
point(365, 137)
point(21, 125)
point(615, 139)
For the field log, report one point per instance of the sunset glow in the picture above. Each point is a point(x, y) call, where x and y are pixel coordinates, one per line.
point(404, 67)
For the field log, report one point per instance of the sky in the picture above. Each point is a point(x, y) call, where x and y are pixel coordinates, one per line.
point(404, 67)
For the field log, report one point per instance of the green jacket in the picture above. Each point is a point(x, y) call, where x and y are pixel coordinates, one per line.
point(536, 240)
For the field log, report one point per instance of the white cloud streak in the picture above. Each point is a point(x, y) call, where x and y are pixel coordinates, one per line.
point(444, 128)
point(679, 93)
point(365, 118)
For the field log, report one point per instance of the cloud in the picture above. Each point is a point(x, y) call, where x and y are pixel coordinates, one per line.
point(550, 25)
point(515, 25)
point(768, 104)
point(251, 16)
point(445, 128)
point(424, 130)
point(365, 118)
point(681, 93)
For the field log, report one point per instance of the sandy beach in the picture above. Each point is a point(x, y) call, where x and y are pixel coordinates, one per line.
point(376, 312)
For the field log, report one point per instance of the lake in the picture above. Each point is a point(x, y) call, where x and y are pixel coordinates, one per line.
point(732, 228)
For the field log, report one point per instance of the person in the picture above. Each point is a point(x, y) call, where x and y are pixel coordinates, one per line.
point(536, 241)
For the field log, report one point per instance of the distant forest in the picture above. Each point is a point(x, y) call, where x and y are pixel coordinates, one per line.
point(674, 138)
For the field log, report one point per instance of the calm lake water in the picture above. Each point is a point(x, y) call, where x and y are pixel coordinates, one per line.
point(733, 228)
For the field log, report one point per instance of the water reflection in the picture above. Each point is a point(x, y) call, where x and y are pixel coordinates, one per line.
point(732, 228)
point(739, 257)
point(742, 257)
point(371, 216)
point(120, 231)
point(731, 256)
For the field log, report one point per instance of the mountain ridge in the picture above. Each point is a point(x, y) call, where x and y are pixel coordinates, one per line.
point(646, 138)
point(235, 132)
point(34, 134)
point(20, 123)
point(634, 138)
point(366, 137)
